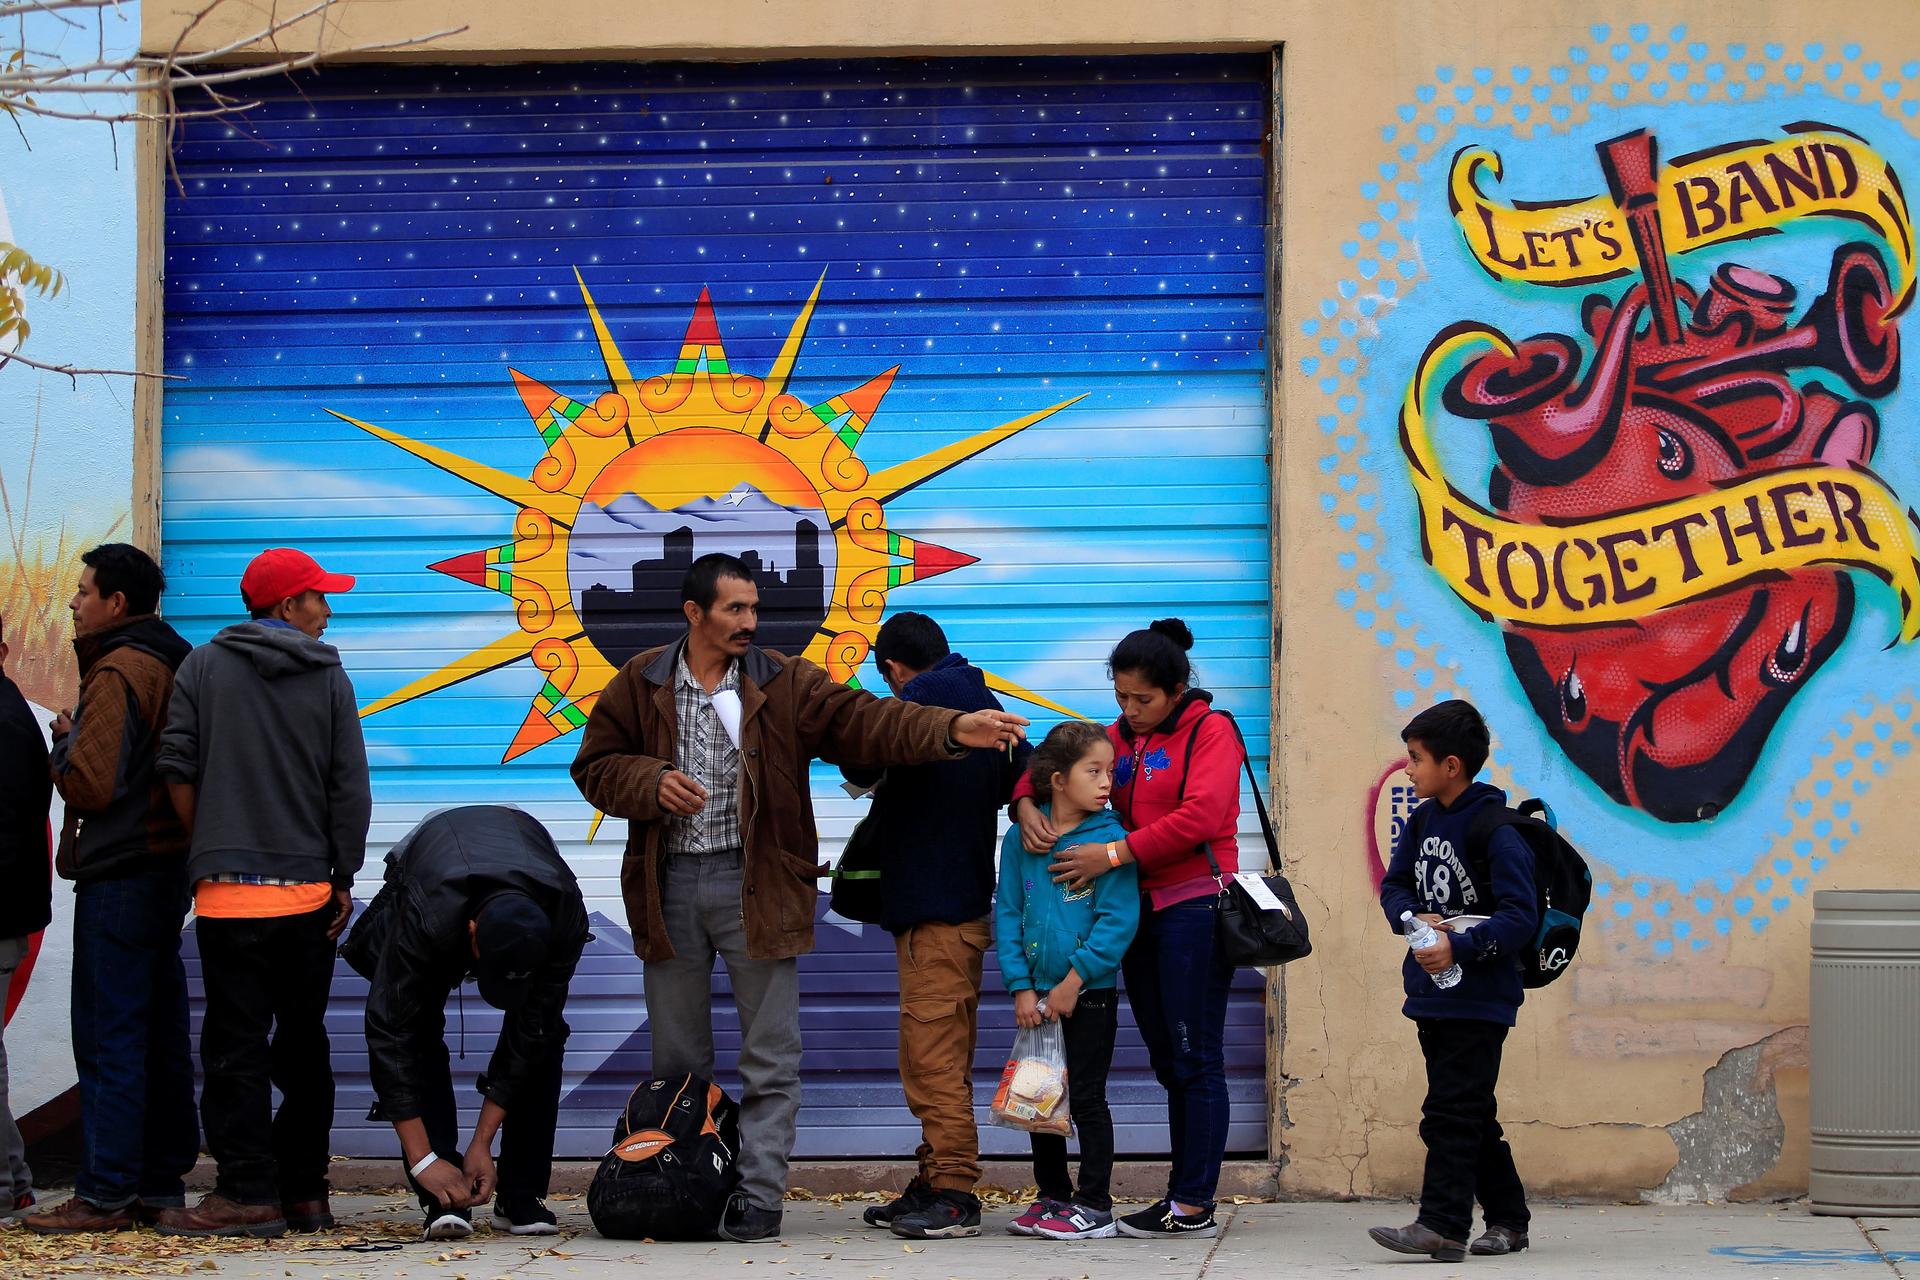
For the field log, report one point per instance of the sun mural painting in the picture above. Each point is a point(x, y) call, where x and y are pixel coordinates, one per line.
point(657, 471)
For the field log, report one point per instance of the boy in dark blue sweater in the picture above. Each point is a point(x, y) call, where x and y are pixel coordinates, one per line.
point(1463, 1026)
point(937, 827)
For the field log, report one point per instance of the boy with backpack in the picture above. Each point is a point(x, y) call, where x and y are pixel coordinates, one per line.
point(1462, 866)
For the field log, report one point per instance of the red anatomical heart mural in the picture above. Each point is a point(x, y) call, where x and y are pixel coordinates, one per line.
point(1682, 489)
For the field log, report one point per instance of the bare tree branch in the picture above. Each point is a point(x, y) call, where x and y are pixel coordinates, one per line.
point(31, 7)
point(135, 117)
point(76, 373)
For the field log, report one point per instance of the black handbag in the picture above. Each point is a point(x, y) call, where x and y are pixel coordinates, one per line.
point(1257, 926)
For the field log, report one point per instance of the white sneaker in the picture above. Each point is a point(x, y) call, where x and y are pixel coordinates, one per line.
point(449, 1225)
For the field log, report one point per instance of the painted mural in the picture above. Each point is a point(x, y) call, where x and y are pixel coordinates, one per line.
point(660, 471)
point(66, 464)
point(1678, 498)
point(982, 339)
point(1614, 413)
point(67, 198)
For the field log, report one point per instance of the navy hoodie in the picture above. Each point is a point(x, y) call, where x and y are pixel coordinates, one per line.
point(936, 823)
point(1439, 877)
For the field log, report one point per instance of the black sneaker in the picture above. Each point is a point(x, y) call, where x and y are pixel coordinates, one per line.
point(946, 1215)
point(916, 1196)
point(744, 1224)
point(1158, 1221)
point(524, 1217)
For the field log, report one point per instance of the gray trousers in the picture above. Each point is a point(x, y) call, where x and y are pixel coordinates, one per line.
point(15, 1177)
point(701, 903)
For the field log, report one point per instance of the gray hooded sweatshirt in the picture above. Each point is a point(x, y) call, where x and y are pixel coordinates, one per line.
point(264, 724)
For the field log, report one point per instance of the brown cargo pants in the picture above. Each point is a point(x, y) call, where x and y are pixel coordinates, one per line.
point(940, 968)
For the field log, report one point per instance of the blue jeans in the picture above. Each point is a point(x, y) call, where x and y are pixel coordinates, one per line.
point(139, 1135)
point(1177, 984)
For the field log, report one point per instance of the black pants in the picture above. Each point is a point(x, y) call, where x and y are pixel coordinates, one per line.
point(526, 1138)
point(265, 1029)
point(1090, 1033)
point(1467, 1158)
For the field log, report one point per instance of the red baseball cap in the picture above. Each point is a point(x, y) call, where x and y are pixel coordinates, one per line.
point(280, 573)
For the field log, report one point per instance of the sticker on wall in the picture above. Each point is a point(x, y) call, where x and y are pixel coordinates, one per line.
point(1615, 443)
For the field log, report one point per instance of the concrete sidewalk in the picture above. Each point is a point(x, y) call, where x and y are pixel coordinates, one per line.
point(825, 1240)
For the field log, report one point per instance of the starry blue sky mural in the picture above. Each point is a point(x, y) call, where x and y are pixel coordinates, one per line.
point(995, 326)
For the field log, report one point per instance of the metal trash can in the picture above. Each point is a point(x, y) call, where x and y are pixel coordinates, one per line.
point(1865, 1053)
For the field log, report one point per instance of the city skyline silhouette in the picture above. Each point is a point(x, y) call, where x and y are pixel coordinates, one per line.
point(793, 604)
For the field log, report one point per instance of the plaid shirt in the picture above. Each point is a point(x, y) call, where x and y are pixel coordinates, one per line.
point(705, 753)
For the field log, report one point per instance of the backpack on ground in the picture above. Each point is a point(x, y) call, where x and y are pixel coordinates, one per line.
point(1562, 885)
point(672, 1164)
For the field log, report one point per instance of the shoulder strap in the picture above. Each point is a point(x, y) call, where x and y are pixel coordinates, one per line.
point(1487, 820)
point(1246, 763)
point(1417, 821)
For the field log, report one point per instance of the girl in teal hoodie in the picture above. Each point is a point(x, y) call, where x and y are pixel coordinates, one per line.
point(1060, 952)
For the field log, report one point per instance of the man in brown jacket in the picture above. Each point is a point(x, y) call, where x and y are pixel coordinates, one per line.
point(125, 851)
point(703, 746)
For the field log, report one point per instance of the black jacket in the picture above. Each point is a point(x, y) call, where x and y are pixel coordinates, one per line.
point(937, 825)
point(26, 794)
point(412, 945)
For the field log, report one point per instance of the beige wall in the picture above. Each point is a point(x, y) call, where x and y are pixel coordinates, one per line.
point(1660, 1066)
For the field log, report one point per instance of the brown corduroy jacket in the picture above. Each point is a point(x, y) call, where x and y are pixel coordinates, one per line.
point(790, 712)
point(119, 818)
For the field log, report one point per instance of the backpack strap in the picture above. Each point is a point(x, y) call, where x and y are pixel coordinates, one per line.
point(1487, 819)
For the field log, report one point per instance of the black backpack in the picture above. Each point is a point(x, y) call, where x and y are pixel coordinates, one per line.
point(672, 1164)
point(856, 889)
point(1562, 885)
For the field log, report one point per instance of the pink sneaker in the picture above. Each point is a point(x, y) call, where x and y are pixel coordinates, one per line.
point(1076, 1222)
point(1041, 1209)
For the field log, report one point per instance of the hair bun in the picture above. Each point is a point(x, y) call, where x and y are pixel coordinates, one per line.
point(1174, 630)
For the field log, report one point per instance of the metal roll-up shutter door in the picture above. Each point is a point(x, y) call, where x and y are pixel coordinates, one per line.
point(511, 343)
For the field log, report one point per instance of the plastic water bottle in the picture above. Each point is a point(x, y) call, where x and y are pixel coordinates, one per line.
point(1420, 936)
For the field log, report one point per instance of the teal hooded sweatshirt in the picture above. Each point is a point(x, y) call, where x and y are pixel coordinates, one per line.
point(1044, 928)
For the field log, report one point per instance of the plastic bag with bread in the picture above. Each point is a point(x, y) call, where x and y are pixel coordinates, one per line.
point(1033, 1088)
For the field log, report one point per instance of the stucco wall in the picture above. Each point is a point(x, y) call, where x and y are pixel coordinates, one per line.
point(1672, 1061)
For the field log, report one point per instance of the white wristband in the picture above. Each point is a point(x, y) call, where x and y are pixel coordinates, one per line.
point(426, 1162)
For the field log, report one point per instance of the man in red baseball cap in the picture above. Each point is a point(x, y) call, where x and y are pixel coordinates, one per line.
point(290, 585)
point(263, 757)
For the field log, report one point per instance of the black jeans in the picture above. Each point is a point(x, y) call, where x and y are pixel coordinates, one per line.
point(1090, 1034)
point(1467, 1157)
point(526, 1138)
point(265, 1029)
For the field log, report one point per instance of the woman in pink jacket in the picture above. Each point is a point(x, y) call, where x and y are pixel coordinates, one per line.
point(1176, 786)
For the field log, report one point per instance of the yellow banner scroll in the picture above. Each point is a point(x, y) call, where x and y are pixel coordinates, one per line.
point(1747, 189)
point(1624, 567)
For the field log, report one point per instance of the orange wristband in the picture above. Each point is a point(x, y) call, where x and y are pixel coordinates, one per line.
point(1113, 855)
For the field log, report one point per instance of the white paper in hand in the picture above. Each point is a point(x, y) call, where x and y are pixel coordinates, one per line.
point(726, 705)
